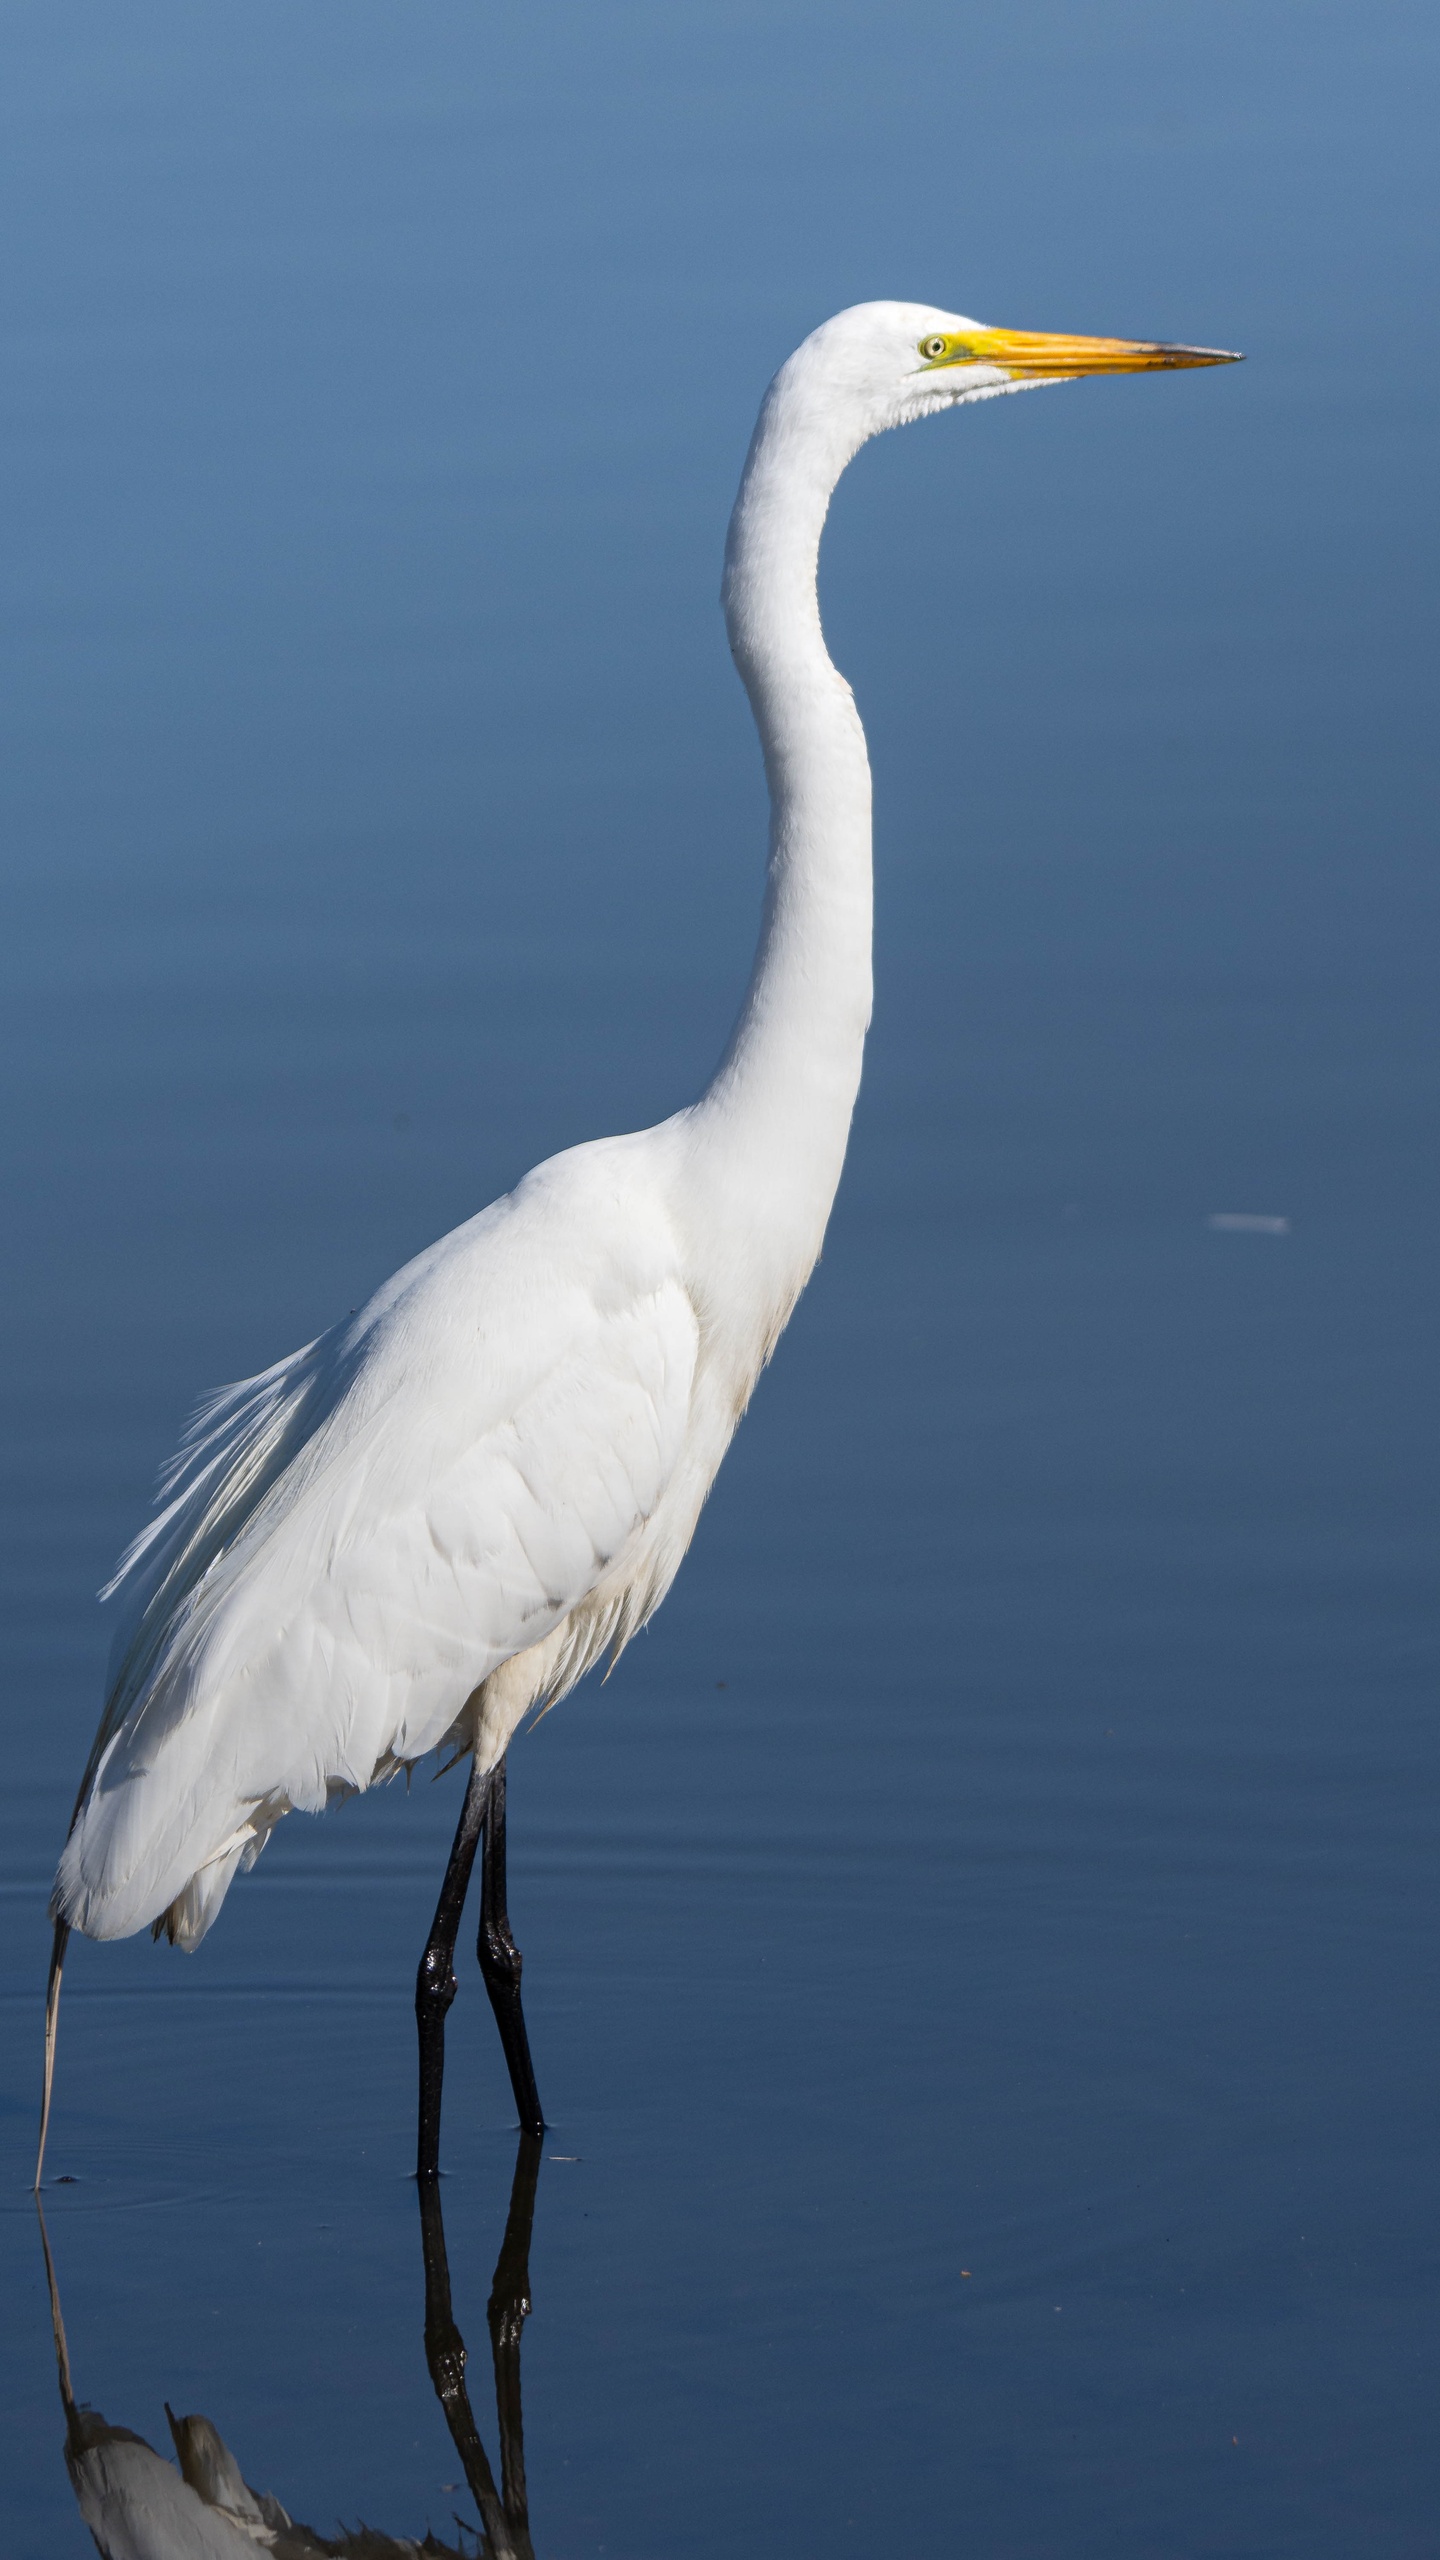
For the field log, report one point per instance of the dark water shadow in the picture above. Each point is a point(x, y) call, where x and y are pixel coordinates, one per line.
point(139, 2506)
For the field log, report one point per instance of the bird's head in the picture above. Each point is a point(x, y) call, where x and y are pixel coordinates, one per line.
point(882, 363)
point(875, 366)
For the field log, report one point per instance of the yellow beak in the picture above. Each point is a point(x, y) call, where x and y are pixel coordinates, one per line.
point(1030, 355)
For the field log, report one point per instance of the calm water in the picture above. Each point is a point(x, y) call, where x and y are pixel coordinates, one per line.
point(980, 1947)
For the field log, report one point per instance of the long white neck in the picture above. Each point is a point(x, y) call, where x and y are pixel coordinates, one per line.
point(774, 1122)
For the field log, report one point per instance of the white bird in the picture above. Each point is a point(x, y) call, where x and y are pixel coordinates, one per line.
point(441, 1513)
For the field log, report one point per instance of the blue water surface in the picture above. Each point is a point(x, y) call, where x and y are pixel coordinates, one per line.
point(980, 1946)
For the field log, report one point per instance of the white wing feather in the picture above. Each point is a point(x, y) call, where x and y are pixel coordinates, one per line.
point(355, 1539)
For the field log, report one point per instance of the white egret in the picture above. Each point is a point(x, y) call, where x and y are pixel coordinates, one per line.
point(441, 1513)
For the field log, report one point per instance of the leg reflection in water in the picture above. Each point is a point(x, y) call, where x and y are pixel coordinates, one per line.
point(138, 2506)
point(503, 2513)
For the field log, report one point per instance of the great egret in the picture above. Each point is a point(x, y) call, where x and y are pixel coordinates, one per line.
point(441, 1513)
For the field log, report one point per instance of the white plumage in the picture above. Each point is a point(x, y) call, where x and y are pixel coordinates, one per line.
point(472, 1468)
point(442, 1512)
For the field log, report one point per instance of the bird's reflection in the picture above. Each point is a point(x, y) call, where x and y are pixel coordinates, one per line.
point(138, 2506)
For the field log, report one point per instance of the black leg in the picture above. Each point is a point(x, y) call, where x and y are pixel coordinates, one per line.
point(435, 1982)
point(500, 1960)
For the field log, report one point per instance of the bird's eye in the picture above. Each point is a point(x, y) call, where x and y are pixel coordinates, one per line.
point(932, 349)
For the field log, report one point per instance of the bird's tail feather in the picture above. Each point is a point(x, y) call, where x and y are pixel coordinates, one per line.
point(52, 2021)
